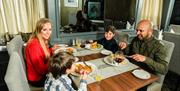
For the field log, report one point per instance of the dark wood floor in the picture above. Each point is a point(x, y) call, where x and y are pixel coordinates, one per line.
point(4, 58)
point(171, 82)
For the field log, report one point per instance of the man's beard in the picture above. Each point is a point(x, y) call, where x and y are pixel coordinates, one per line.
point(140, 37)
point(143, 38)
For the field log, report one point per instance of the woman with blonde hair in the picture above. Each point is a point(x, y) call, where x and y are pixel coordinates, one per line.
point(37, 53)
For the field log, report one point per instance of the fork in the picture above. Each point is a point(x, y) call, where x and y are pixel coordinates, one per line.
point(128, 56)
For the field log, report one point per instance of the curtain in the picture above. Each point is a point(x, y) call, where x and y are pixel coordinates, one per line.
point(20, 15)
point(152, 10)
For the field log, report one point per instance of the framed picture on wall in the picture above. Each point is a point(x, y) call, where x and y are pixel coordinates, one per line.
point(94, 10)
point(71, 3)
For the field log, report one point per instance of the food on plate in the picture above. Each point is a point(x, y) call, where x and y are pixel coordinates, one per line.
point(94, 45)
point(70, 49)
point(62, 45)
point(80, 68)
point(117, 58)
point(65, 49)
point(106, 52)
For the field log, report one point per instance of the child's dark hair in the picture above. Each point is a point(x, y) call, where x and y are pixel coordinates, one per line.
point(59, 63)
point(110, 28)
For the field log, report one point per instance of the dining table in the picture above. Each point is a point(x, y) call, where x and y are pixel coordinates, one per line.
point(107, 77)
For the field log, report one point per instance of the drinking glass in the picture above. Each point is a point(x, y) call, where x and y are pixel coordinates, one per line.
point(78, 43)
point(97, 76)
point(118, 54)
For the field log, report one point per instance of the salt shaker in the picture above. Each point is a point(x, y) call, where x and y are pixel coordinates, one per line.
point(73, 42)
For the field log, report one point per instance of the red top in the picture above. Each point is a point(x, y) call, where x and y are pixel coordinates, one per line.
point(37, 67)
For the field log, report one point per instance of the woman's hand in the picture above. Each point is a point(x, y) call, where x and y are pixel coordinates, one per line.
point(55, 46)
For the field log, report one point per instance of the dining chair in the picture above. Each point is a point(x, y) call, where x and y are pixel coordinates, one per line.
point(16, 45)
point(175, 60)
point(15, 76)
point(121, 36)
point(169, 47)
point(158, 34)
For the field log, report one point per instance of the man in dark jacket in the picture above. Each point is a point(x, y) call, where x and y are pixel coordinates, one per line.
point(146, 51)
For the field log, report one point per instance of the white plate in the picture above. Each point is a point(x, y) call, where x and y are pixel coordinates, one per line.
point(62, 45)
point(110, 61)
point(94, 68)
point(106, 52)
point(142, 74)
point(95, 49)
point(64, 49)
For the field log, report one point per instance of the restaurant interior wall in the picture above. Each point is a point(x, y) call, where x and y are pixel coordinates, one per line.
point(66, 11)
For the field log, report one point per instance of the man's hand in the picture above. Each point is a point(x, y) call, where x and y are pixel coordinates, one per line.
point(122, 45)
point(138, 57)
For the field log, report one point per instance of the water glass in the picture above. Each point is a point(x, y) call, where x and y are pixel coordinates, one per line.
point(78, 43)
point(118, 54)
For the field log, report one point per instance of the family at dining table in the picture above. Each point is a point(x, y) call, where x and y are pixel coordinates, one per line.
point(145, 51)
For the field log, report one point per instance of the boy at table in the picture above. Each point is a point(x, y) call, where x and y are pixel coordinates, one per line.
point(108, 41)
point(62, 64)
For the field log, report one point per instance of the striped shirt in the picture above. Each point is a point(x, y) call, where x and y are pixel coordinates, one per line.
point(63, 83)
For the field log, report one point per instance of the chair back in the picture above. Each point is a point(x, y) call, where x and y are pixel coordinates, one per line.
point(121, 36)
point(15, 76)
point(169, 47)
point(175, 60)
point(156, 33)
point(16, 44)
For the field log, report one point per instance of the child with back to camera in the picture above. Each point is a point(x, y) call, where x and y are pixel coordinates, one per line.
point(62, 64)
point(108, 41)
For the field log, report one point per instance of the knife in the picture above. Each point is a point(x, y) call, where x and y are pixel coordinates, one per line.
point(85, 62)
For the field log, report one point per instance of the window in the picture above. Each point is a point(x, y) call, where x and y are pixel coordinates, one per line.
point(119, 10)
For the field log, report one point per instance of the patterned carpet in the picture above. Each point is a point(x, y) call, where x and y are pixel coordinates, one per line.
point(171, 82)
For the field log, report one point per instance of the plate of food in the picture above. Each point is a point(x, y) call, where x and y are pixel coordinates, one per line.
point(106, 52)
point(115, 61)
point(140, 73)
point(94, 46)
point(67, 49)
point(81, 68)
point(62, 45)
